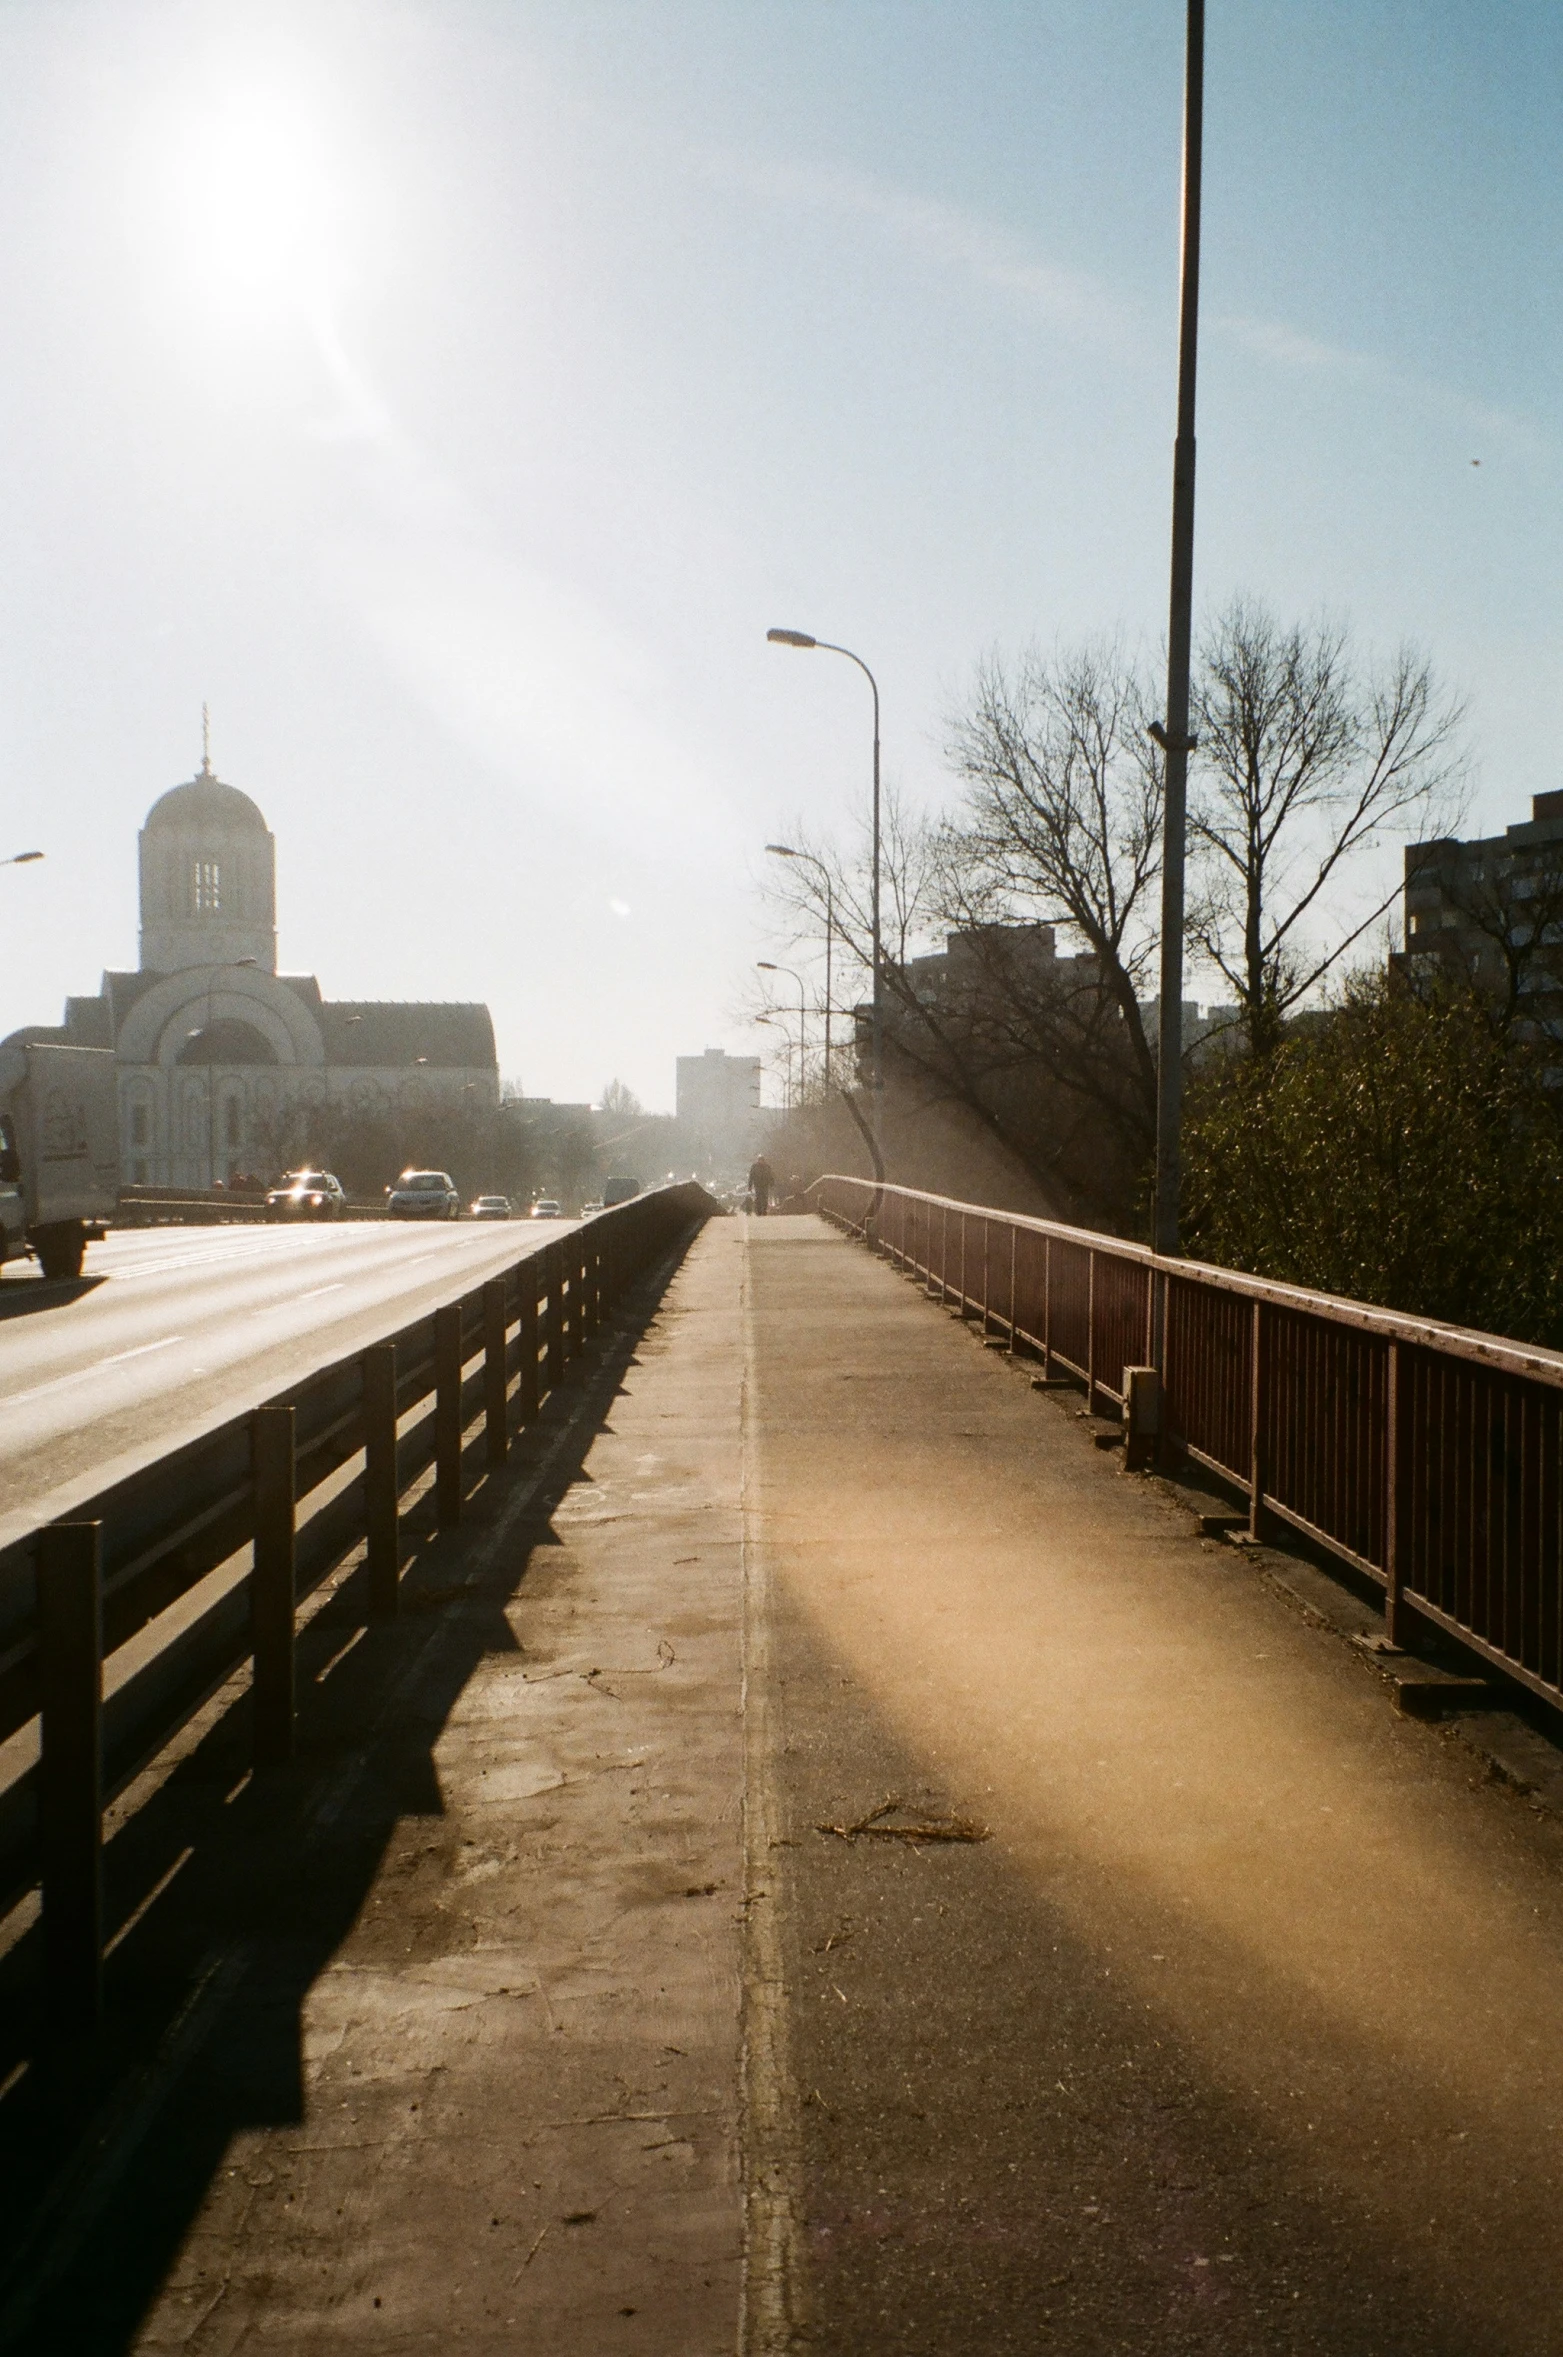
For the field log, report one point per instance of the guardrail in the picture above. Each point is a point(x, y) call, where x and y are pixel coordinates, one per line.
point(117, 1625)
point(1428, 1457)
point(156, 1207)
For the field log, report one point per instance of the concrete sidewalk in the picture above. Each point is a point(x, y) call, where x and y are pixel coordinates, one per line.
point(1244, 2031)
point(588, 2010)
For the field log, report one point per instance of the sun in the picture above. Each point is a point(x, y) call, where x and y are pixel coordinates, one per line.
point(247, 200)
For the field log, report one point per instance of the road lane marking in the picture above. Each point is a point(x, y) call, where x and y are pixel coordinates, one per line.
point(15, 1399)
point(319, 1289)
point(140, 1351)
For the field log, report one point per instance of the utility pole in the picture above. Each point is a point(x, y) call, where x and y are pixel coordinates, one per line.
point(1172, 734)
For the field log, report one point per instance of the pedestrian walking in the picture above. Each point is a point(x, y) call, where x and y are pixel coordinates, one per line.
point(761, 1180)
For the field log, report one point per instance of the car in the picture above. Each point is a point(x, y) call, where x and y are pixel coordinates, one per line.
point(590, 1210)
point(307, 1194)
point(423, 1194)
point(491, 1207)
point(547, 1208)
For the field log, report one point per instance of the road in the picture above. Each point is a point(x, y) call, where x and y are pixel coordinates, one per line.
point(173, 1327)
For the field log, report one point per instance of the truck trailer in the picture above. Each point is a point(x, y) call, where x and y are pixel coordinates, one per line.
point(59, 1153)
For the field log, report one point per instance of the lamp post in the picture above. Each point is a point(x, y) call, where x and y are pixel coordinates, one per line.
point(227, 966)
point(801, 638)
point(785, 851)
point(775, 1023)
point(764, 966)
point(1173, 734)
point(20, 859)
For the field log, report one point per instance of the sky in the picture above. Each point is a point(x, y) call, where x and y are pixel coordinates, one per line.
point(451, 395)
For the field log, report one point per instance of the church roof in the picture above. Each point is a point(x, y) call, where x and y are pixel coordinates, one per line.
point(393, 1031)
point(204, 800)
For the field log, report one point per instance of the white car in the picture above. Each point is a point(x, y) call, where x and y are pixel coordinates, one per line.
point(546, 1208)
point(491, 1207)
point(307, 1194)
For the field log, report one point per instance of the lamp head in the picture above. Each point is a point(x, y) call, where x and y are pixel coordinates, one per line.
point(781, 850)
point(24, 858)
point(764, 966)
point(791, 638)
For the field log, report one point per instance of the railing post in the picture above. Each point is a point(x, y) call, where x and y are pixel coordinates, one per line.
point(964, 1224)
point(1258, 1413)
point(382, 1489)
point(70, 1769)
point(554, 1259)
point(1394, 1560)
point(592, 1290)
point(494, 1384)
point(272, 1596)
point(987, 1259)
point(1014, 1319)
point(528, 1276)
point(944, 1255)
point(1047, 1309)
point(447, 1414)
point(1090, 1334)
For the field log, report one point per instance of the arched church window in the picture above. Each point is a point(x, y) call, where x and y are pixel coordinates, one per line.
point(232, 1121)
point(208, 888)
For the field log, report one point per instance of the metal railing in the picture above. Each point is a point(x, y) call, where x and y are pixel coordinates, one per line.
point(118, 1625)
point(1428, 1457)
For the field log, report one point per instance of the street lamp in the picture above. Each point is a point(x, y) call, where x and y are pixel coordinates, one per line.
point(203, 1031)
point(20, 859)
point(764, 966)
point(775, 1022)
point(785, 851)
point(801, 638)
point(1173, 734)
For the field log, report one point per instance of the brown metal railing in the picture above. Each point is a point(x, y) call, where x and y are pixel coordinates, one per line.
point(118, 1624)
point(1429, 1457)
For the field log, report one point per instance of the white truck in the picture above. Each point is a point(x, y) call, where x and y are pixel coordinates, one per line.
point(59, 1153)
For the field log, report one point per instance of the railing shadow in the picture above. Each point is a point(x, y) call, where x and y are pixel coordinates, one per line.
point(229, 1892)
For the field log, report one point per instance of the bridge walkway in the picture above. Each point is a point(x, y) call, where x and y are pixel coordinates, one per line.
point(1185, 1998)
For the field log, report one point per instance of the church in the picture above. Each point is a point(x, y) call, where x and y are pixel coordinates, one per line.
point(222, 1061)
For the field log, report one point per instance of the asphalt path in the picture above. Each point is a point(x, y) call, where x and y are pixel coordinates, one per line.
point(171, 1329)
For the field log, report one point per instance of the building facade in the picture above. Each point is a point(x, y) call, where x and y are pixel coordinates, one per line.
point(1489, 913)
point(225, 1065)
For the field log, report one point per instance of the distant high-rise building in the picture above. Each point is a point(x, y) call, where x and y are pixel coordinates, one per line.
point(718, 1103)
point(1489, 913)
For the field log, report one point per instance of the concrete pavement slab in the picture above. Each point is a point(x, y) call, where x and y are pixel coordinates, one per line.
point(1244, 2030)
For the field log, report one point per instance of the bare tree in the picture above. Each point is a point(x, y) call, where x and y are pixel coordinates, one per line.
point(910, 907)
point(1306, 761)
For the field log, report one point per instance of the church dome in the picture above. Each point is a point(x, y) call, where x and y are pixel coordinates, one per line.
point(204, 801)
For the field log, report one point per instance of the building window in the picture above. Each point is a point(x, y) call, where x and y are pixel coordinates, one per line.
point(140, 1125)
point(231, 1124)
point(208, 888)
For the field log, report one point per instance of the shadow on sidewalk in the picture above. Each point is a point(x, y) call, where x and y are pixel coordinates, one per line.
point(227, 1894)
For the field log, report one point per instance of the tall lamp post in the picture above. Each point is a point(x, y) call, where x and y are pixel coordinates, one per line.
point(1173, 734)
point(801, 638)
point(785, 851)
point(775, 1023)
point(20, 859)
point(764, 966)
point(227, 966)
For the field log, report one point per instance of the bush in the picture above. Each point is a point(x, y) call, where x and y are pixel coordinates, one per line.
point(1397, 1151)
